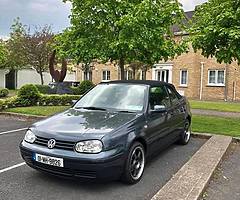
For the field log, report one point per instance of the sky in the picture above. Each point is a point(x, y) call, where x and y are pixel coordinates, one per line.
point(41, 12)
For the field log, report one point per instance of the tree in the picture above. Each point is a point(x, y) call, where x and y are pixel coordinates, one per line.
point(3, 53)
point(14, 51)
point(123, 30)
point(216, 30)
point(38, 47)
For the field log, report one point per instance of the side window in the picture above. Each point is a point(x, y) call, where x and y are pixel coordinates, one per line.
point(172, 94)
point(159, 96)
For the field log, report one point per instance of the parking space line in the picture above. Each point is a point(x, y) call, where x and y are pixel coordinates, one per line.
point(12, 131)
point(12, 167)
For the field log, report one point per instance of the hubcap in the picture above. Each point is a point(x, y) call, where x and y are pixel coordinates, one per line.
point(137, 163)
point(187, 132)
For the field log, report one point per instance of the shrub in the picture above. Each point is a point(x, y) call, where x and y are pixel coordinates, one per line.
point(76, 90)
point(57, 100)
point(44, 89)
point(85, 86)
point(8, 103)
point(4, 92)
point(28, 95)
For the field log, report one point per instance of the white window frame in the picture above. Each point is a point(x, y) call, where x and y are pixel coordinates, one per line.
point(105, 79)
point(127, 74)
point(163, 66)
point(88, 75)
point(180, 82)
point(216, 78)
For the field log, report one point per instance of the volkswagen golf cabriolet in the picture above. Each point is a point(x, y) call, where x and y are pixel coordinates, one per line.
point(110, 132)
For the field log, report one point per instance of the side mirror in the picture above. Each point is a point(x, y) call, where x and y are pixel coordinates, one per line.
point(159, 109)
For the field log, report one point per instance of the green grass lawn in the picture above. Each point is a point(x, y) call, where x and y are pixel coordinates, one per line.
point(219, 106)
point(38, 110)
point(216, 125)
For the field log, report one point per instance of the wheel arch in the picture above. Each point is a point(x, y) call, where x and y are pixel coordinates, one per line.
point(143, 142)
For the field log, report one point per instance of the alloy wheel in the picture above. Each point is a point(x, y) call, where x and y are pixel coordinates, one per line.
point(137, 163)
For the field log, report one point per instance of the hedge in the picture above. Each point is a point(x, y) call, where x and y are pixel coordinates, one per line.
point(57, 100)
point(45, 100)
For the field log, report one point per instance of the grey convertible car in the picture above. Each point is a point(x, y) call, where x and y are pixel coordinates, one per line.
point(110, 132)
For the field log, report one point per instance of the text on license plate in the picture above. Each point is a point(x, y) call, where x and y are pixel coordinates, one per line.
point(58, 162)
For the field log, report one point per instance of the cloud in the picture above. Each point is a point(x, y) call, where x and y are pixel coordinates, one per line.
point(190, 4)
point(4, 38)
point(34, 12)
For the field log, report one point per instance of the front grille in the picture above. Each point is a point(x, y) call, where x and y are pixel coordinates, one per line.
point(59, 143)
point(64, 171)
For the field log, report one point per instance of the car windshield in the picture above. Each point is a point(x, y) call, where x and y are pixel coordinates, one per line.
point(119, 97)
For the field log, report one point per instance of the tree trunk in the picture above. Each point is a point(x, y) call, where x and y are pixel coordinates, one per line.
point(121, 66)
point(41, 75)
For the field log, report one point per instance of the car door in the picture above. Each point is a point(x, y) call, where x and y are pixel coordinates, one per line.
point(158, 123)
point(177, 112)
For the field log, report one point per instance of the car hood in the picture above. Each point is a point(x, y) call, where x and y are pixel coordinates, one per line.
point(81, 124)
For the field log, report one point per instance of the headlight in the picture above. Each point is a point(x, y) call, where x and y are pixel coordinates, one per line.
point(30, 137)
point(90, 146)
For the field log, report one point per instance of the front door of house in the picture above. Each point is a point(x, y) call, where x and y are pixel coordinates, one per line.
point(162, 75)
point(162, 72)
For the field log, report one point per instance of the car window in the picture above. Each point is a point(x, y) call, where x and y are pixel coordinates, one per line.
point(173, 96)
point(159, 96)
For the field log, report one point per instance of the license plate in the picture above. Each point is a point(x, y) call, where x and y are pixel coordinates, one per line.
point(58, 162)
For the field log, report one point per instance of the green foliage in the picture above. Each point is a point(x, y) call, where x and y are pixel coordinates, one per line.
point(3, 53)
point(216, 30)
point(15, 54)
point(8, 103)
point(44, 89)
point(57, 100)
point(123, 31)
point(75, 90)
point(85, 86)
point(28, 95)
point(43, 100)
point(4, 92)
point(27, 48)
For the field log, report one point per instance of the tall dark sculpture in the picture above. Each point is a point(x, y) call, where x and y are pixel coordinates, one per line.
point(56, 75)
point(60, 87)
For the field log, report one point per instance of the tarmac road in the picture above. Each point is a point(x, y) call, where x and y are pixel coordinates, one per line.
point(20, 182)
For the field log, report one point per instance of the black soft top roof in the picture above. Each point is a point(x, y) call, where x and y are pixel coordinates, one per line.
point(139, 82)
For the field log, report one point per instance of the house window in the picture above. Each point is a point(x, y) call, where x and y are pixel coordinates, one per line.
point(216, 77)
point(183, 77)
point(143, 75)
point(88, 75)
point(106, 75)
point(128, 75)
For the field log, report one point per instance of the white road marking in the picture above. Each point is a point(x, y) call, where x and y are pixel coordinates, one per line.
point(12, 131)
point(12, 167)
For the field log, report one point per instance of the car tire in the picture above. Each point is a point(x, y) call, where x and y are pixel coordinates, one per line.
point(186, 134)
point(135, 164)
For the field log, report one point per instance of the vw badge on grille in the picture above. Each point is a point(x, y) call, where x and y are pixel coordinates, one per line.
point(51, 143)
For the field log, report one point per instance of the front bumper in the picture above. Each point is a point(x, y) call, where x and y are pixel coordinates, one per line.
point(105, 165)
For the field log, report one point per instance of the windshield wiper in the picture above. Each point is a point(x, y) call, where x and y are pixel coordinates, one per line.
point(91, 108)
point(125, 111)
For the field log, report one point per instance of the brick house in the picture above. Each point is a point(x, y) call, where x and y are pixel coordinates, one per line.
point(192, 74)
